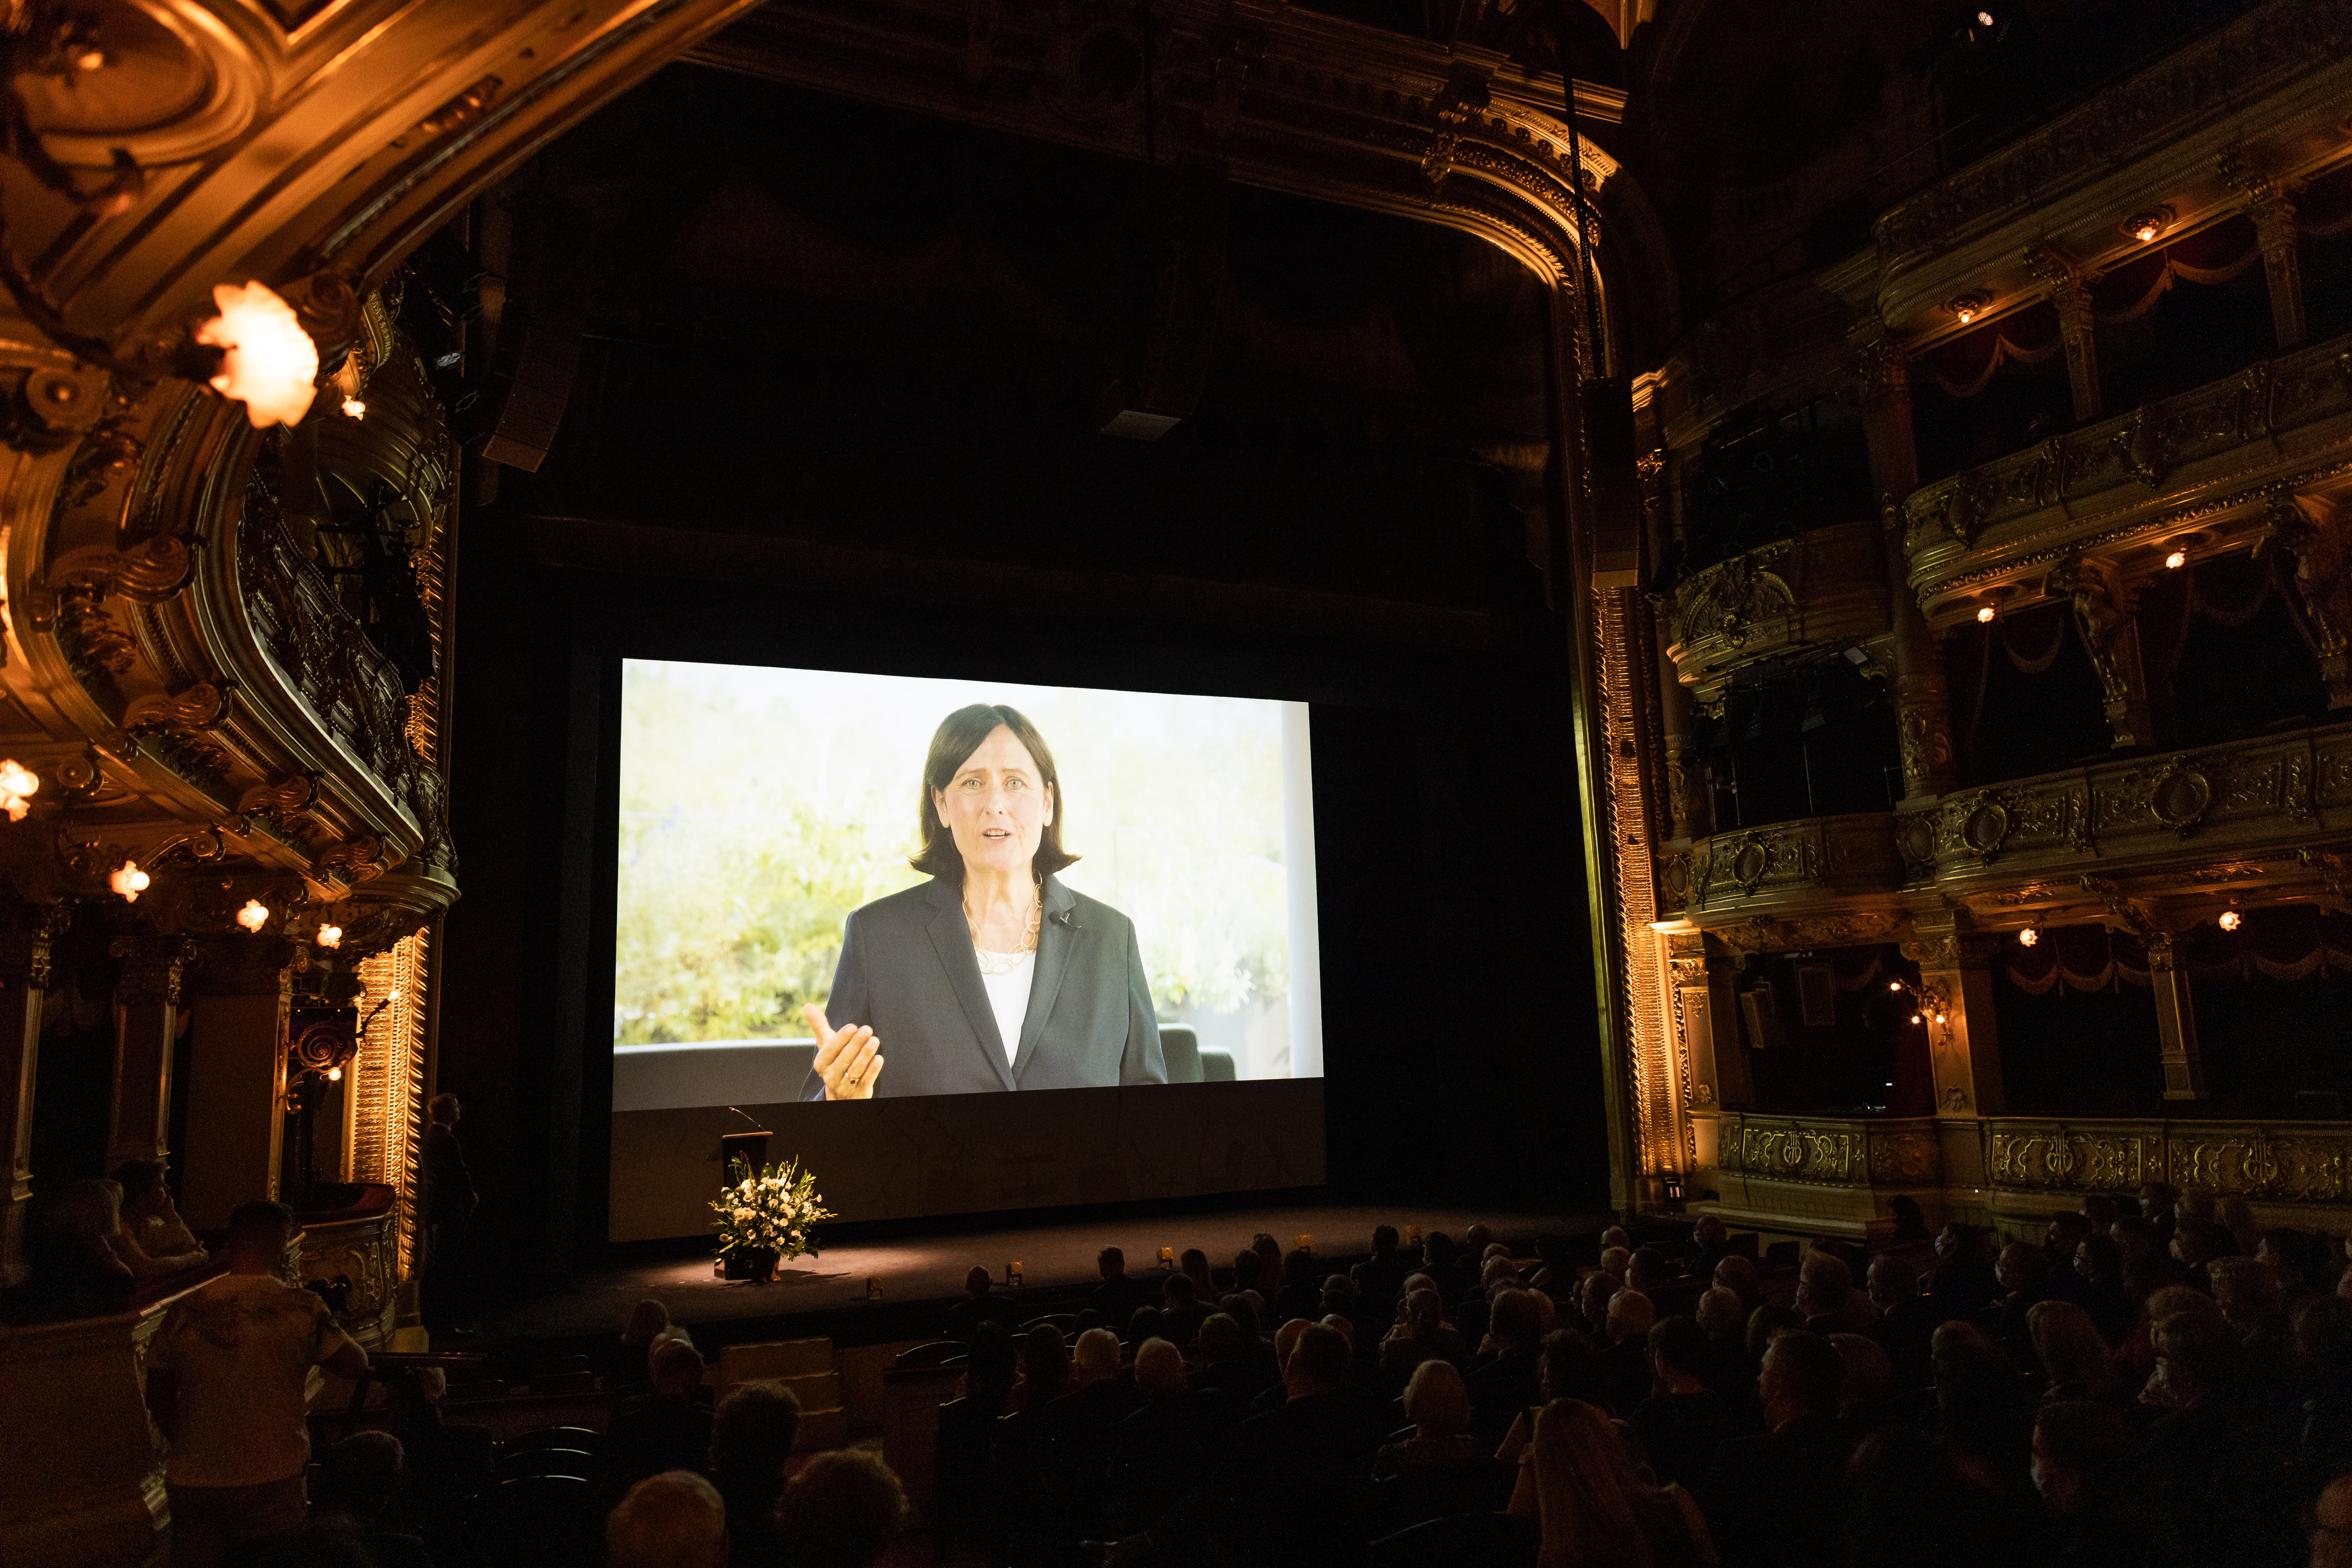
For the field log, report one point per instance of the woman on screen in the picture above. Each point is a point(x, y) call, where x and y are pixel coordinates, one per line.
point(992, 975)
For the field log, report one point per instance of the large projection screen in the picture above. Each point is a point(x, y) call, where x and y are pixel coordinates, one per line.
point(1156, 1033)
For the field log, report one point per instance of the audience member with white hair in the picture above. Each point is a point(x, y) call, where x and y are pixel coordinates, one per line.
point(1437, 1402)
point(674, 1519)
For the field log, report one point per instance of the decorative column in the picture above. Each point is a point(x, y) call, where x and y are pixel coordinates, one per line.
point(1923, 714)
point(2070, 292)
point(236, 1076)
point(1708, 1023)
point(24, 986)
point(2104, 603)
point(146, 1023)
point(1955, 1007)
point(2175, 1021)
point(2313, 531)
point(1676, 711)
point(2253, 177)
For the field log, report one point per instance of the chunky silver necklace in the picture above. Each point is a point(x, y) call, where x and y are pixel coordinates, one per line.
point(1000, 963)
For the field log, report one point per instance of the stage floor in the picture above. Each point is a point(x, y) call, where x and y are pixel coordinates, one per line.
point(830, 1289)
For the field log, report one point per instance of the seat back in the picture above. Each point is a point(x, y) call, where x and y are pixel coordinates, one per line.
point(1182, 1048)
point(586, 1440)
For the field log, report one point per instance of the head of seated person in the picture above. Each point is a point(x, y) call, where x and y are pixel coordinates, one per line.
point(1737, 1274)
point(1801, 1376)
point(751, 1436)
point(1144, 1323)
point(1112, 1263)
point(1617, 1235)
point(1476, 1240)
point(1088, 1317)
point(1420, 1280)
point(1615, 1262)
point(1223, 1342)
point(1178, 1292)
point(2199, 1241)
point(1592, 1294)
point(2021, 1267)
point(1247, 1266)
point(2199, 1360)
point(1096, 1357)
point(358, 1477)
point(1677, 1355)
point(1892, 1282)
point(1569, 1368)
point(1438, 1251)
point(1710, 1231)
point(674, 1519)
point(1869, 1372)
point(1823, 1282)
point(1497, 1274)
point(1767, 1324)
point(978, 1282)
point(2067, 1344)
point(1512, 1322)
point(2298, 1257)
point(1287, 1338)
point(1384, 1241)
point(1423, 1313)
point(1630, 1313)
point(676, 1369)
point(1648, 1270)
point(1159, 1369)
point(1317, 1364)
point(1344, 1326)
point(1045, 1364)
point(2246, 1290)
point(842, 1511)
point(1436, 1400)
point(1720, 1313)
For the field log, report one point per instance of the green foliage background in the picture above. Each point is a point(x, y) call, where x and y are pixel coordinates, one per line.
point(759, 807)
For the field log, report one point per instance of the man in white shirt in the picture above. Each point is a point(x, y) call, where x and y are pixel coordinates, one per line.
point(228, 1379)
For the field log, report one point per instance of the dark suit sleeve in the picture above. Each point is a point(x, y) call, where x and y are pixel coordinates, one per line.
point(850, 1002)
point(1142, 1061)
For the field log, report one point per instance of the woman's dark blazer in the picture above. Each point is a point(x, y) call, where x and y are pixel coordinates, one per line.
point(908, 970)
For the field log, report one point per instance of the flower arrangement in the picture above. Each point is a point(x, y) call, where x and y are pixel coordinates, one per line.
point(772, 1210)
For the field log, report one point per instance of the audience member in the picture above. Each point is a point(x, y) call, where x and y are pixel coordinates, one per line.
point(1866, 1401)
point(1380, 1279)
point(1118, 1295)
point(1503, 1382)
point(2059, 1238)
point(1737, 1275)
point(2072, 1354)
point(1980, 1404)
point(1826, 1296)
point(2083, 1459)
point(1631, 1315)
point(752, 1436)
point(1593, 1508)
point(2331, 1525)
point(2025, 1281)
point(648, 1325)
point(1682, 1422)
point(227, 1376)
point(980, 1304)
point(841, 1512)
point(68, 1248)
point(1181, 1308)
point(1421, 1334)
point(1964, 1282)
point(449, 1200)
point(1713, 1238)
point(1437, 1402)
point(151, 1239)
point(1194, 1264)
point(675, 1519)
point(358, 1480)
point(2099, 1266)
point(1906, 1322)
point(667, 1429)
point(1758, 1485)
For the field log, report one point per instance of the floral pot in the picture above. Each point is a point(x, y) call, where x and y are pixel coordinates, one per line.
point(747, 1263)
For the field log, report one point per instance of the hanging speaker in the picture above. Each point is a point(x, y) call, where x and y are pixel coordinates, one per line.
point(538, 350)
point(1164, 330)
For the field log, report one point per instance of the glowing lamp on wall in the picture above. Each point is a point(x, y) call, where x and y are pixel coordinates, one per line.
point(2027, 937)
point(1966, 308)
point(2230, 920)
point(254, 915)
point(1984, 617)
point(2176, 560)
point(331, 936)
point(267, 361)
point(2145, 225)
point(18, 785)
point(129, 881)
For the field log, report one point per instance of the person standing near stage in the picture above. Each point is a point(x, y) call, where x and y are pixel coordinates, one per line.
point(449, 1203)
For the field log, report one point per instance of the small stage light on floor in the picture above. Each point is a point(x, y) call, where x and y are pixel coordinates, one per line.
point(874, 1288)
point(1412, 1236)
point(1168, 1258)
point(1305, 1242)
point(1013, 1273)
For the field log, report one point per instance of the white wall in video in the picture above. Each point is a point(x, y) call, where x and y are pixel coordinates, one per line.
point(776, 938)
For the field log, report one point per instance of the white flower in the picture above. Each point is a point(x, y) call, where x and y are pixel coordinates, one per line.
point(742, 1216)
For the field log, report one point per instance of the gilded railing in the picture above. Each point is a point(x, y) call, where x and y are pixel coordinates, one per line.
point(1786, 862)
point(1835, 1152)
point(1822, 587)
point(2272, 1163)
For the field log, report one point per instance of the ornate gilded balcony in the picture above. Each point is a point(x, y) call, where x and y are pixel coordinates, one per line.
point(1759, 871)
point(2205, 818)
point(2203, 468)
point(2264, 1162)
point(1822, 588)
point(1830, 1175)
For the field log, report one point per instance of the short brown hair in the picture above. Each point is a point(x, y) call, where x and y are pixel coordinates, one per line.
point(957, 738)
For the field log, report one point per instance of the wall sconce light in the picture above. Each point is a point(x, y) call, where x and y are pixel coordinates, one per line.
point(354, 409)
point(2027, 937)
point(1984, 617)
point(1966, 308)
point(2176, 560)
point(1013, 1273)
point(334, 1075)
point(129, 881)
point(2144, 226)
point(2230, 920)
point(18, 785)
point(254, 915)
point(1930, 1000)
point(331, 936)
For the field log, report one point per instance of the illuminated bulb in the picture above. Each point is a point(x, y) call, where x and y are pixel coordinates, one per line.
point(270, 364)
point(392, 995)
point(90, 60)
point(354, 409)
point(1939, 1017)
point(18, 785)
point(1895, 985)
point(2027, 937)
point(331, 936)
point(2144, 232)
point(254, 915)
point(2176, 560)
point(334, 1075)
point(1914, 1017)
point(130, 881)
point(1968, 313)
point(1984, 18)
point(2230, 920)
point(1985, 614)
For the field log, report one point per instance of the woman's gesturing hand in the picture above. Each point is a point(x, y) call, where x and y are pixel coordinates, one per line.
point(849, 1060)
